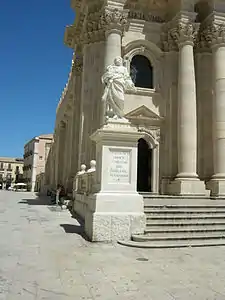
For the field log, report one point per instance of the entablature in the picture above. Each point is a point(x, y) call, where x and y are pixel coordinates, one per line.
point(95, 17)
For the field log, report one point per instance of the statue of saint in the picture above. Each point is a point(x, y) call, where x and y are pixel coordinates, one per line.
point(117, 81)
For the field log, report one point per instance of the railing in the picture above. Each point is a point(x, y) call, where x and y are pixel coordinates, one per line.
point(84, 183)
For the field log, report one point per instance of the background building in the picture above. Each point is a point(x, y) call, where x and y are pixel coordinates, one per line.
point(35, 156)
point(11, 171)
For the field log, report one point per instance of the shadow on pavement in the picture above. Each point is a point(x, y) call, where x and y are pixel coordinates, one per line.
point(37, 201)
point(77, 229)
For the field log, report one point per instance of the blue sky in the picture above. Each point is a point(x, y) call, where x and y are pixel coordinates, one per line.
point(34, 67)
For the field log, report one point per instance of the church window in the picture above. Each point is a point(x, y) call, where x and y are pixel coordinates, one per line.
point(141, 72)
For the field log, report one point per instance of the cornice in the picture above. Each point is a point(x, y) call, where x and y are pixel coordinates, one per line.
point(95, 18)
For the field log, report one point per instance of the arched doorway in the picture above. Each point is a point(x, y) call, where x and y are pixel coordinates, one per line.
point(144, 167)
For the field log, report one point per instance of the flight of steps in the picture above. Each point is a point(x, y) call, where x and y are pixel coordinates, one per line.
point(174, 223)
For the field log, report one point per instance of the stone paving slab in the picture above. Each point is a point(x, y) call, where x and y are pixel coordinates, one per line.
point(44, 256)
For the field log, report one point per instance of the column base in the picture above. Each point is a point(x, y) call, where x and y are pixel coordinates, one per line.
point(165, 183)
point(113, 217)
point(217, 188)
point(187, 187)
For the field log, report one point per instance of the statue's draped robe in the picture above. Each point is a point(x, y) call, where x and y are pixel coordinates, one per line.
point(117, 81)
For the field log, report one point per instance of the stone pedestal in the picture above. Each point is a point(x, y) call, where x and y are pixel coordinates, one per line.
point(116, 211)
point(217, 187)
point(187, 187)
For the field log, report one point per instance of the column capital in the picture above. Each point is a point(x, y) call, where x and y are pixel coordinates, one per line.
point(211, 36)
point(177, 34)
point(212, 32)
point(113, 19)
point(184, 33)
point(215, 34)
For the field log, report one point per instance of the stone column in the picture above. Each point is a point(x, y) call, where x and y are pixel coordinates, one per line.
point(77, 114)
point(204, 111)
point(186, 182)
point(113, 45)
point(113, 22)
point(217, 185)
point(168, 148)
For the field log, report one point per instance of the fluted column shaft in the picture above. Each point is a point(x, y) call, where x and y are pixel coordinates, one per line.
point(187, 120)
point(77, 114)
point(219, 111)
point(183, 36)
point(215, 33)
point(186, 181)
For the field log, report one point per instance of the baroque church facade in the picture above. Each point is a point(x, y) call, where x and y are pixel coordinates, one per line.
point(174, 51)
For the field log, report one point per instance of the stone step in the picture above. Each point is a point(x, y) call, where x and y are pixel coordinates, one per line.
point(174, 244)
point(185, 216)
point(179, 201)
point(177, 236)
point(184, 208)
point(193, 228)
point(185, 211)
point(184, 222)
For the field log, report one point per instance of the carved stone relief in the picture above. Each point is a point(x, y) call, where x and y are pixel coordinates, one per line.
point(101, 21)
point(78, 65)
point(153, 132)
point(113, 18)
point(175, 34)
point(211, 34)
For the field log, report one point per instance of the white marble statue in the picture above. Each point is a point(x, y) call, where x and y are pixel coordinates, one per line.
point(117, 81)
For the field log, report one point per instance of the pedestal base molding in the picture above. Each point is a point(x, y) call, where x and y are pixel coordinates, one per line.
point(187, 187)
point(217, 187)
point(112, 217)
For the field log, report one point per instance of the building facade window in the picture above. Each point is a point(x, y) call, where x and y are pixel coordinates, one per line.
point(2, 166)
point(141, 72)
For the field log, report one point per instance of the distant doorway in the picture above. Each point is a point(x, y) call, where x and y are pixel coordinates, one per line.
point(144, 167)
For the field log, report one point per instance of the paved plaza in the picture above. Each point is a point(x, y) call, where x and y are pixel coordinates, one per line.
point(44, 256)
